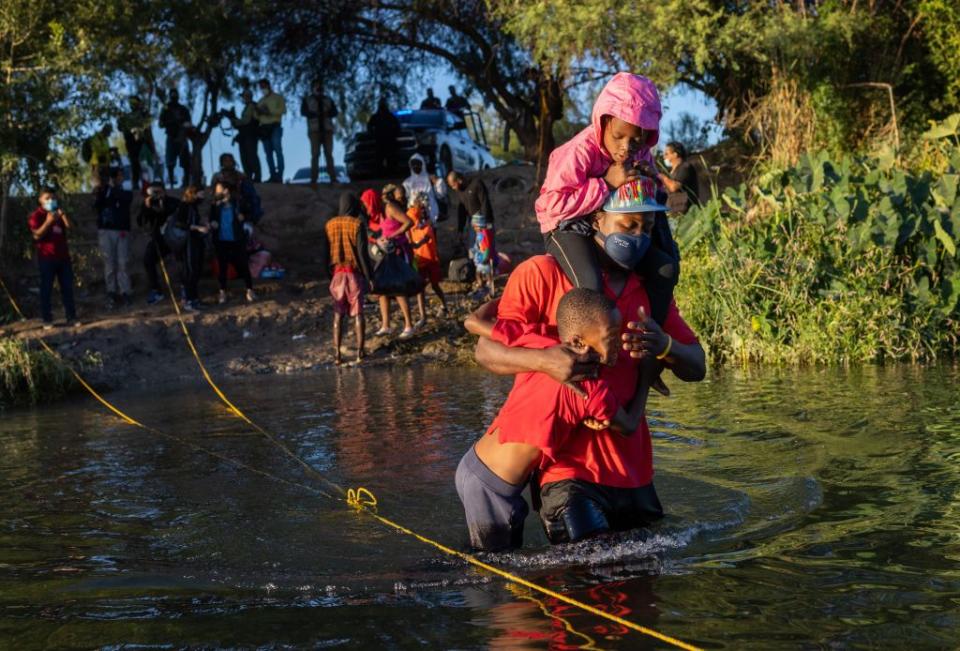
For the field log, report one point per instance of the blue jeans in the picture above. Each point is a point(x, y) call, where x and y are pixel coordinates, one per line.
point(273, 148)
point(62, 270)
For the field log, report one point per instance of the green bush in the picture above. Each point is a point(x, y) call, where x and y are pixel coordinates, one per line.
point(832, 261)
point(29, 377)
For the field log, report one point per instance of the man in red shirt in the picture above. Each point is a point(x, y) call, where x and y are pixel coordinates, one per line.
point(536, 420)
point(598, 481)
point(49, 224)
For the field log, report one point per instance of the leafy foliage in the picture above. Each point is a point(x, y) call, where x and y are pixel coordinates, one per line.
point(833, 261)
point(29, 377)
point(817, 54)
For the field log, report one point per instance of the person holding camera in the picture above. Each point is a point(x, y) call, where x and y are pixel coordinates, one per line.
point(228, 217)
point(190, 257)
point(154, 213)
point(49, 224)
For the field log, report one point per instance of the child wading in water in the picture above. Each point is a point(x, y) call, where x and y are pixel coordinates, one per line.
point(612, 155)
point(423, 240)
point(537, 418)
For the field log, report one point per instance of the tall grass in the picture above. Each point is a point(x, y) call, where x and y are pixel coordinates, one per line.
point(831, 261)
point(29, 377)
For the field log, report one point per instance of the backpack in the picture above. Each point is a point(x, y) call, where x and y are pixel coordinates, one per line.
point(173, 234)
point(249, 194)
point(462, 270)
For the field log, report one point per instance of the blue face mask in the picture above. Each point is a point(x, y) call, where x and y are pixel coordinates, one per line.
point(50, 205)
point(626, 250)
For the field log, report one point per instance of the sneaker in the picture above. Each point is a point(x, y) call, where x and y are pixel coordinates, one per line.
point(419, 324)
point(222, 297)
point(383, 332)
point(406, 334)
point(251, 297)
point(154, 297)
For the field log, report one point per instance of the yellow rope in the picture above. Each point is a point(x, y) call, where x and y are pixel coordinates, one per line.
point(126, 418)
point(509, 576)
point(226, 401)
point(589, 644)
point(360, 499)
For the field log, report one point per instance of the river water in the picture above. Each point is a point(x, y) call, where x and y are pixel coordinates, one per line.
point(807, 509)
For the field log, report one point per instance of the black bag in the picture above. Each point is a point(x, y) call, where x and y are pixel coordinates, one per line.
point(394, 276)
point(462, 270)
point(174, 235)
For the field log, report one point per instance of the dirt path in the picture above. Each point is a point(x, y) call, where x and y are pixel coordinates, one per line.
point(287, 330)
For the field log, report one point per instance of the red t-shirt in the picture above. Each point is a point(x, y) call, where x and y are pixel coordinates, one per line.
point(53, 244)
point(542, 412)
point(530, 300)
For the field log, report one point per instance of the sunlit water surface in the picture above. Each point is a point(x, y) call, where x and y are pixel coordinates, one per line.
point(808, 509)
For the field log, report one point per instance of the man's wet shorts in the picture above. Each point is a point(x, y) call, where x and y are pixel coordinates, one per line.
point(346, 288)
point(495, 509)
point(572, 509)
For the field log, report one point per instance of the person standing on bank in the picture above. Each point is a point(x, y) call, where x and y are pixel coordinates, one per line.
point(352, 270)
point(190, 258)
point(248, 135)
point(49, 224)
point(473, 199)
point(154, 213)
point(270, 110)
point(431, 102)
point(457, 103)
point(135, 127)
point(174, 119)
point(682, 183)
point(228, 216)
point(111, 204)
point(319, 110)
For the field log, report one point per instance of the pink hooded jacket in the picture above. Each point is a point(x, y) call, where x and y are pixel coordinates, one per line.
point(574, 185)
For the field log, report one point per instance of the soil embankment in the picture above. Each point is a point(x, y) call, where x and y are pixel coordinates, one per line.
point(287, 329)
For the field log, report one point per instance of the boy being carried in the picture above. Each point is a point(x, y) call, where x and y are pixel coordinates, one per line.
point(537, 418)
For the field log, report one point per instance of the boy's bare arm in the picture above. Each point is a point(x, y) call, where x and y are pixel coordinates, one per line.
point(482, 320)
point(628, 419)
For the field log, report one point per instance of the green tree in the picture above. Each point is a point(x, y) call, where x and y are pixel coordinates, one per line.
point(58, 62)
point(941, 26)
point(793, 71)
point(209, 44)
point(385, 42)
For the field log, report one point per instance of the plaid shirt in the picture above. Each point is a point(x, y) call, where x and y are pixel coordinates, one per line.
point(348, 244)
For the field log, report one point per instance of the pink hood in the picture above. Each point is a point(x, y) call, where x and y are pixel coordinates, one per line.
point(631, 98)
point(574, 185)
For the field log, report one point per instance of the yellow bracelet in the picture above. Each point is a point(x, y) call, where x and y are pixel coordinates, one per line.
point(666, 351)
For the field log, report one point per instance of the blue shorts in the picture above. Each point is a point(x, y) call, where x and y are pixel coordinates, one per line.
point(495, 509)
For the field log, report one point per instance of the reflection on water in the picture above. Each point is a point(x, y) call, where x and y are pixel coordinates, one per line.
point(810, 509)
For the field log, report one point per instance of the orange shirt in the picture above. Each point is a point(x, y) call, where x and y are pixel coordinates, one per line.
point(427, 252)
